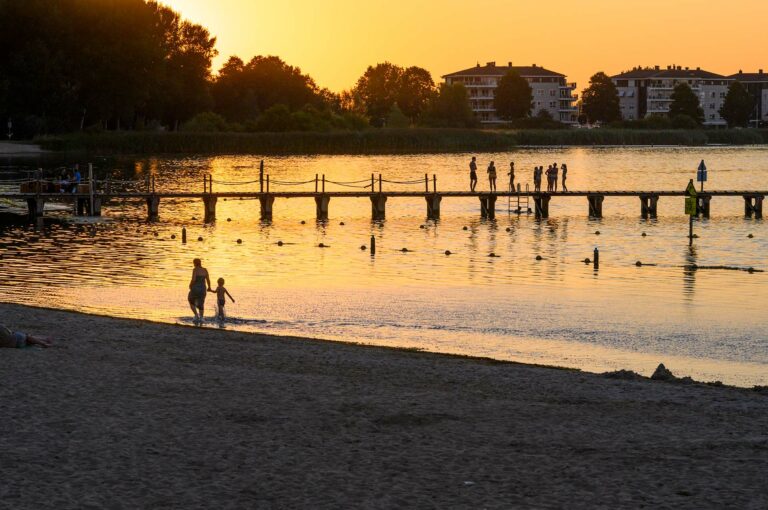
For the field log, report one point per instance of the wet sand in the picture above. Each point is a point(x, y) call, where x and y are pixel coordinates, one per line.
point(130, 414)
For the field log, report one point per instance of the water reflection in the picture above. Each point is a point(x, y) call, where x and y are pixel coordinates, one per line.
point(556, 310)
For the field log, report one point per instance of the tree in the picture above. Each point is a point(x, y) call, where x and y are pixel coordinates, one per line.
point(600, 101)
point(415, 90)
point(685, 102)
point(243, 91)
point(514, 98)
point(378, 89)
point(738, 105)
point(450, 107)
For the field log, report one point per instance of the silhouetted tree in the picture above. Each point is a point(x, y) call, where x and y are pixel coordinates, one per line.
point(514, 98)
point(685, 102)
point(415, 90)
point(450, 108)
point(738, 105)
point(600, 101)
point(242, 91)
point(378, 90)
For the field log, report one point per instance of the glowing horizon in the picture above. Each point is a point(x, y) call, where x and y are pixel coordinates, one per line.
point(334, 41)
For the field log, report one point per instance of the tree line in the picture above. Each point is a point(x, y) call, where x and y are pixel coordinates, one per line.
point(95, 65)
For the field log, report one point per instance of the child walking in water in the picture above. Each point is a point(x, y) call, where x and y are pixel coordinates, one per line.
point(221, 294)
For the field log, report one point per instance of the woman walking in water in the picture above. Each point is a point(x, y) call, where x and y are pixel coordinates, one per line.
point(492, 176)
point(198, 290)
point(511, 175)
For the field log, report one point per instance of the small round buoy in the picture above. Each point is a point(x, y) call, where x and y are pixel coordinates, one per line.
point(695, 236)
point(194, 217)
point(363, 248)
point(239, 241)
point(200, 238)
point(173, 236)
point(509, 229)
point(694, 266)
point(538, 257)
point(229, 219)
point(321, 245)
point(750, 236)
point(154, 234)
point(491, 254)
point(447, 252)
point(279, 243)
point(421, 226)
point(404, 250)
point(341, 223)
point(643, 234)
point(751, 270)
point(597, 232)
point(303, 222)
point(465, 228)
point(638, 263)
point(587, 261)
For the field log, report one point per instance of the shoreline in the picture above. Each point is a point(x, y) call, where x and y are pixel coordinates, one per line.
point(150, 414)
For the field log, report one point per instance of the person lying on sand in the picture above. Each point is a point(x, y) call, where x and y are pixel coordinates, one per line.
point(18, 339)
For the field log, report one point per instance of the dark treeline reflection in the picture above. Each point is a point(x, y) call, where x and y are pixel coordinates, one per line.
point(110, 65)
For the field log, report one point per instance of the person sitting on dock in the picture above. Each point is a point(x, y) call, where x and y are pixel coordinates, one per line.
point(17, 339)
point(76, 178)
point(197, 290)
point(472, 174)
point(511, 175)
point(492, 176)
point(64, 180)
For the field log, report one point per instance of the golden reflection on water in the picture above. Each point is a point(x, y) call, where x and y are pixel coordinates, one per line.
point(558, 310)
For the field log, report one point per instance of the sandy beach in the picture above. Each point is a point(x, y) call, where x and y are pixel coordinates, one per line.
point(130, 414)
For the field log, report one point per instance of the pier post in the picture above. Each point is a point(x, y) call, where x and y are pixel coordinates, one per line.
point(81, 206)
point(209, 202)
point(378, 207)
point(648, 206)
point(703, 206)
point(753, 206)
point(595, 205)
point(488, 206)
point(266, 202)
point(433, 206)
point(36, 207)
point(153, 207)
point(541, 204)
point(321, 206)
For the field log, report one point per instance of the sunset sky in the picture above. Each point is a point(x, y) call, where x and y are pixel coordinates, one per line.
point(335, 40)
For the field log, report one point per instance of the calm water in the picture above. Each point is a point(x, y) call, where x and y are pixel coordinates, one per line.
point(708, 323)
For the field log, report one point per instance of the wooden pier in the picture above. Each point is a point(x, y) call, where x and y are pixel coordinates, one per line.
point(90, 200)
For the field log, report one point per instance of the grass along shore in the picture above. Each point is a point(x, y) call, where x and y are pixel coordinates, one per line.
point(154, 415)
point(385, 141)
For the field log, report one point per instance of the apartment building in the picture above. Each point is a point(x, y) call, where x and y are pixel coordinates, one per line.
point(551, 91)
point(646, 91)
point(757, 85)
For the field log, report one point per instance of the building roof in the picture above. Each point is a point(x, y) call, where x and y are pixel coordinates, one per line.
point(754, 77)
point(669, 72)
point(491, 69)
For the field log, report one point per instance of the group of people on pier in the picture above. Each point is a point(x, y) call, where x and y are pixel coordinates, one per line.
point(551, 173)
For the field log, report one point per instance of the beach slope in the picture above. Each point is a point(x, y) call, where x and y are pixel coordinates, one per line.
point(130, 414)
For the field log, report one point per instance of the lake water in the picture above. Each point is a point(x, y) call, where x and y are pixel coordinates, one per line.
point(707, 323)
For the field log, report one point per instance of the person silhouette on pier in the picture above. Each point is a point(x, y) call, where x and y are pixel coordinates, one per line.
point(492, 176)
point(564, 168)
point(511, 175)
point(472, 174)
point(537, 179)
point(555, 171)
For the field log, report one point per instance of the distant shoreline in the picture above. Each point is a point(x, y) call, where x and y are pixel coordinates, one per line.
point(387, 141)
point(19, 149)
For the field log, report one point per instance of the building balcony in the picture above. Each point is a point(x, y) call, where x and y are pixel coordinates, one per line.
point(574, 97)
point(569, 86)
point(658, 109)
point(568, 109)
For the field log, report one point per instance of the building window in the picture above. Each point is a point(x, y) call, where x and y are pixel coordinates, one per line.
point(552, 92)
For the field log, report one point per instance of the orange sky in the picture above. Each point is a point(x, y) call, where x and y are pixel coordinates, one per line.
point(335, 40)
